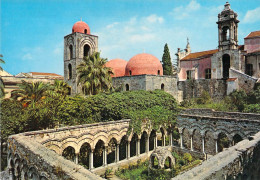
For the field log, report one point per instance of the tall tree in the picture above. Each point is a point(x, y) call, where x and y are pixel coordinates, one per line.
point(167, 63)
point(59, 88)
point(2, 92)
point(94, 77)
point(30, 93)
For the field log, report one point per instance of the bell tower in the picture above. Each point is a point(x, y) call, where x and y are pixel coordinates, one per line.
point(77, 45)
point(227, 29)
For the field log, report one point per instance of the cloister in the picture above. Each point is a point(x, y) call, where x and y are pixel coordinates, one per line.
point(99, 145)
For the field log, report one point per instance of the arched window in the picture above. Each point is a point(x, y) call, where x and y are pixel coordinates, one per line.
point(162, 86)
point(70, 71)
point(130, 73)
point(86, 50)
point(208, 73)
point(188, 74)
point(127, 87)
point(85, 31)
point(71, 52)
point(225, 33)
point(158, 72)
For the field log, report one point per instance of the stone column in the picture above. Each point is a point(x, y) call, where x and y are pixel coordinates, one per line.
point(203, 144)
point(191, 145)
point(216, 142)
point(163, 140)
point(105, 156)
point(91, 165)
point(147, 145)
point(77, 158)
point(11, 175)
point(170, 139)
point(138, 147)
point(117, 153)
point(181, 140)
point(128, 149)
point(155, 141)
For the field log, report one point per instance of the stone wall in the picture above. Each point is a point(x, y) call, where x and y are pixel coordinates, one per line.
point(148, 83)
point(245, 82)
point(29, 159)
point(194, 88)
point(241, 161)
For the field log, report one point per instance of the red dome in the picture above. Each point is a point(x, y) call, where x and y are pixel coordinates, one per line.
point(118, 67)
point(81, 27)
point(143, 64)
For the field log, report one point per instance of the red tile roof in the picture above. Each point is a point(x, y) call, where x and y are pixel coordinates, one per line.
point(253, 34)
point(200, 54)
point(231, 79)
point(44, 74)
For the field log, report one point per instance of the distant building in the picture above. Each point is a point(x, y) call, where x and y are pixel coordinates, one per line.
point(11, 82)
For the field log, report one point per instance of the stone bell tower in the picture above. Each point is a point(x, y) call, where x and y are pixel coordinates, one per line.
point(227, 29)
point(78, 44)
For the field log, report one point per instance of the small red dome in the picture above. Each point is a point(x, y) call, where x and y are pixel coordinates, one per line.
point(117, 66)
point(81, 27)
point(143, 64)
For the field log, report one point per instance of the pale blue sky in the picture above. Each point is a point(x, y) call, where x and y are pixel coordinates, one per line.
point(32, 31)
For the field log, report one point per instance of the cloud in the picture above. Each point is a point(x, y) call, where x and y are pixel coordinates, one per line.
point(183, 12)
point(111, 25)
point(27, 56)
point(252, 16)
point(154, 19)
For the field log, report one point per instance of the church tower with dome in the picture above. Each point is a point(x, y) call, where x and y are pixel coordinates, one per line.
point(78, 44)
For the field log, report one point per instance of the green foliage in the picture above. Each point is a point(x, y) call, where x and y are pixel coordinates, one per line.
point(252, 108)
point(204, 98)
point(238, 98)
point(94, 77)
point(187, 157)
point(167, 63)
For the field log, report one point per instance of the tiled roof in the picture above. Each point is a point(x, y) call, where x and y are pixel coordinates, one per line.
point(44, 74)
point(231, 79)
point(200, 54)
point(253, 34)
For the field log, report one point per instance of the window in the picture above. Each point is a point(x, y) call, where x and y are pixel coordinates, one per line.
point(127, 87)
point(86, 31)
point(188, 74)
point(208, 73)
point(162, 86)
point(130, 73)
point(249, 69)
point(71, 52)
point(86, 50)
point(70, 71)
point(158, 72)
point(69, 90)
point(225, 33)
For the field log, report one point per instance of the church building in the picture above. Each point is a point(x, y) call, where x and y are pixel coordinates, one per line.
point(217, 71)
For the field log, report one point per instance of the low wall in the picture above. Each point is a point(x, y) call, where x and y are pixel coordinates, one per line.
point(212, 113)
point(195, 154)
point(27, 158)
point(241, 161)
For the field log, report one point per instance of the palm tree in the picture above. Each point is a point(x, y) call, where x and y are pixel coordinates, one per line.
point(30, 93)
point(94, 77)
point(59, 88)
point(2, 92)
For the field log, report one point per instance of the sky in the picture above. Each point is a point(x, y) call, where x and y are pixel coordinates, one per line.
point(32, 31)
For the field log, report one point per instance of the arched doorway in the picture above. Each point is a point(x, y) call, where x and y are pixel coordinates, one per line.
point(69, 153)
point(143, 142)
point(133, 145)
point(86, 50)
point(197, 140)
point(111, 151)
point(122, 148)
point(162, 86)
point(223, 141)
point(237, 138)
point(84, 155)
point(152, 140)
point(127, 87)
point(226, 65)
point(186, 138)
point(98, 154)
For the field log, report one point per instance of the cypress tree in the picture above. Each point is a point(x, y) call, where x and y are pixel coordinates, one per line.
point(167, 63)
